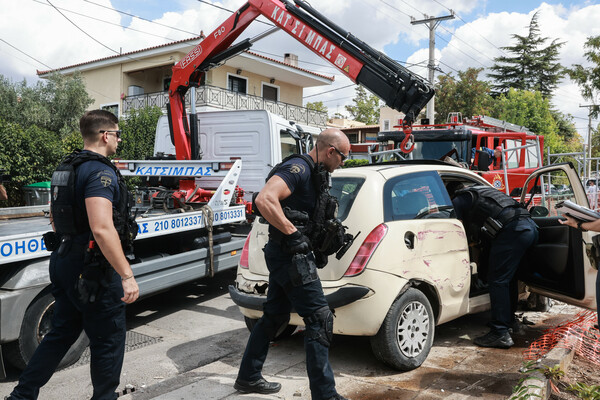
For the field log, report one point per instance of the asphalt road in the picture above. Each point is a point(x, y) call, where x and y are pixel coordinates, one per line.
point(187, 344)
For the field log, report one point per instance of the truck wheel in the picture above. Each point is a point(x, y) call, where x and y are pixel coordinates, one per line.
point(36, 323)
point(406, 335)
point(285, 333)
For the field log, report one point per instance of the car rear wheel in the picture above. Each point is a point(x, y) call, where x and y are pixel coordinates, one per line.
point(284, 333)
point(406, 335)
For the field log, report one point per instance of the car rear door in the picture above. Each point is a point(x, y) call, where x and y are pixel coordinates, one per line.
point(557, 266)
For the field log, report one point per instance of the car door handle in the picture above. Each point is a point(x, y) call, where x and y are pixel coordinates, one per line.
point(409, 240)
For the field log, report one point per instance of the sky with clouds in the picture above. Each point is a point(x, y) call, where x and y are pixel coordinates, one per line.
point(48, 34)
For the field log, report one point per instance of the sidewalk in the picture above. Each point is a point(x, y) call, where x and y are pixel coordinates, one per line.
point(455, 368)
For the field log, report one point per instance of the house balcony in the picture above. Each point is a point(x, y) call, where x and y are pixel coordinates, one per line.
point(219, 98)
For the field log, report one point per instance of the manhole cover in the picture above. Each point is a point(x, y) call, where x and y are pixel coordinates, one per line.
point(133, 341)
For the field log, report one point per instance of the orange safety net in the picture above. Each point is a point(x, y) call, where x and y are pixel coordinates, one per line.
point(578, 335)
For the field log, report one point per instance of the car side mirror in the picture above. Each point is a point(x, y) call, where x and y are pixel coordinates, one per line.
point(539, 211)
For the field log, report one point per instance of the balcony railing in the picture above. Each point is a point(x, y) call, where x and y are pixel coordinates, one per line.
point(227, 100)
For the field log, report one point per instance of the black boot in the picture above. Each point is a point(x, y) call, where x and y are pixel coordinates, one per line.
point(500, 340)
point(260, 386)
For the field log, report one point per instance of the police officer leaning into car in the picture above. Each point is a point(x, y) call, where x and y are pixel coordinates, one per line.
point(291, 186)
point(497, 220)
point(91, 277)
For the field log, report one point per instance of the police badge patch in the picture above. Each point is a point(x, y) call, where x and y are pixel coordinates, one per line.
point(297, 169)
point(105, 180)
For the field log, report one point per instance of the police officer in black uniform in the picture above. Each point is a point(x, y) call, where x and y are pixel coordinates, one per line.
point(492, 217)
point(292, 187)
point(91, 276)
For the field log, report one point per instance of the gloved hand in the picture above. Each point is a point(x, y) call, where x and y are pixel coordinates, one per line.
point(297, 243)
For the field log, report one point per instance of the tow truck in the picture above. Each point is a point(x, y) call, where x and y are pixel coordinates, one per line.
point(462, 141)
point(188, 232)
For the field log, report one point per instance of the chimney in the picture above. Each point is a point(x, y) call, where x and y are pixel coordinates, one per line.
point(291, 59)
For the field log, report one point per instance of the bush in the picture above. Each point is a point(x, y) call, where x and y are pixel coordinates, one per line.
point(28, 155)
point(354, 163)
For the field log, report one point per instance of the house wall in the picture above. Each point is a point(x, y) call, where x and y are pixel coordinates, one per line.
point(107, 84)
point(288, 93)
point(103, 85)
point(391, 115)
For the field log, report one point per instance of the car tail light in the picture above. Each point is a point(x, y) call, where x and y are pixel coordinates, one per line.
point(366, 250)
point(244, 256)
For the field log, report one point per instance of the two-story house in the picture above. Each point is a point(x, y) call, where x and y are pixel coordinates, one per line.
point(247, 81)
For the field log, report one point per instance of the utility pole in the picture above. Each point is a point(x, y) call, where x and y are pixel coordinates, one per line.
point(432, 23)
point(588, 165)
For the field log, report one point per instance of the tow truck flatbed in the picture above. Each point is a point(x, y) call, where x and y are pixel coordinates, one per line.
point(21, 238)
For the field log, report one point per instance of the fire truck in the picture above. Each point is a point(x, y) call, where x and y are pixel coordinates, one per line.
point(188, 231)
point(466, 142)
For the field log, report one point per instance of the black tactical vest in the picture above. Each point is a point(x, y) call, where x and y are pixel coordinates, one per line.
point(489, 202)
point(69, 218)
point(325, 232)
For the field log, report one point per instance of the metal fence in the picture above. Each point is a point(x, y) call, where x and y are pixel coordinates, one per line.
point(227, 100)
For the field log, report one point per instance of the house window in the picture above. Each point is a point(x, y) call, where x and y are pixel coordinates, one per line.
point(113, 108)
point(270, 92)
point(386, 124)
point(236, 84)
point(352, 137)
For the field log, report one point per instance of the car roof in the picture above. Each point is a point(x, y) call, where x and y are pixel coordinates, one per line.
point(405, 167)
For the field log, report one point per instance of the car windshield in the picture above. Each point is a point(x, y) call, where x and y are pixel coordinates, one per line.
point(437, 150)
point(345, 189)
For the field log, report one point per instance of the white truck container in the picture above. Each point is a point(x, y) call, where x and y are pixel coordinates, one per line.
point(253, 135)
point(171, 248)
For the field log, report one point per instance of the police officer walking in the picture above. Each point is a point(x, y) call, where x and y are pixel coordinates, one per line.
point(91, 277)
point(293, 280)
point(493, 217)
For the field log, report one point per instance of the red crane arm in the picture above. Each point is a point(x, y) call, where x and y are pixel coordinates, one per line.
point(396, 85)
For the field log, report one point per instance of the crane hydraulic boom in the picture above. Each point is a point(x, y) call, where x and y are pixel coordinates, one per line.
point(393, 83)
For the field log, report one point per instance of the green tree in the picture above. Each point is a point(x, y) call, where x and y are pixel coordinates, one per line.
point(565, 125)
point(588, 78)
point(139, 130)
point(317, 106)
point(365, 108)
point(29, 155)
point(530, 109)
point(532, 67)
point(55, 104)
point(467, 95)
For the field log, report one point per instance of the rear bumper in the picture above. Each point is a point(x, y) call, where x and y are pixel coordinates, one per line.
point(339, 298)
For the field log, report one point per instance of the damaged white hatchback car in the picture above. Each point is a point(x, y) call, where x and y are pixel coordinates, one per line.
point(411, 267)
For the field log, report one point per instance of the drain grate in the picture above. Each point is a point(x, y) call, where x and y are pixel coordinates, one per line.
point(133, 341)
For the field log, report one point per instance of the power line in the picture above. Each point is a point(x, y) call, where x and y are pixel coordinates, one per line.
point(226, 9)
point(143, 19)
point(108, 22)
point(341, 98)
point(328, 91)
point(470, 27)
point(22, 52)
point(304, 62)
point(87, 34)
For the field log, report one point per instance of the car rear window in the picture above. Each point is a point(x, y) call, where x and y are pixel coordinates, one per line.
point(345, 189)
point(406, 196)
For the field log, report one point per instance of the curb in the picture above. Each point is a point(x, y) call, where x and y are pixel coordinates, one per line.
point(538, 385)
